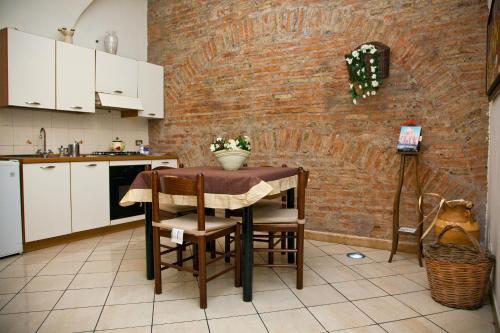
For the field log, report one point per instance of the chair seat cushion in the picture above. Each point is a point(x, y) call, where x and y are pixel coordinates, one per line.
point(189, 223)
point(174, 209)
point(271, 212)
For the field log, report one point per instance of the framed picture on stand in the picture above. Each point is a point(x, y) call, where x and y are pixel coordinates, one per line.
point(410, 137)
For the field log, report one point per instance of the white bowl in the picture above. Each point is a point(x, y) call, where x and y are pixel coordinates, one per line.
point(231, 159)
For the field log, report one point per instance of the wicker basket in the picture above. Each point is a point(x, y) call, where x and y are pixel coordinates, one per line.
point(458, 275)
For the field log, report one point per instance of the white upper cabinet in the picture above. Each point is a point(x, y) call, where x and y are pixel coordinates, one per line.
point(75, 78)
point(27, 70)
point(116, 75)
point(150, 89)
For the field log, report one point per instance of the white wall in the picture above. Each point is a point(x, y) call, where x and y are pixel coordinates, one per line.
point(19, 128)
point(43, 17)
point(493, 207)
point(493, 213)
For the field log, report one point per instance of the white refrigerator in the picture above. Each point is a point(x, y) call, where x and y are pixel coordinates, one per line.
point(11, 237)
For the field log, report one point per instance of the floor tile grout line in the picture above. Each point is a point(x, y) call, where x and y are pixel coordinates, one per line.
point(31, 279)
point(62, 294)
point(112, 282)
point(353, 302)
point(306, 307)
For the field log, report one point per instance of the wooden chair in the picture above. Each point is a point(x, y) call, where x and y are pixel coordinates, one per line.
point(271, 218)
point(198, 230)
point(270, 238)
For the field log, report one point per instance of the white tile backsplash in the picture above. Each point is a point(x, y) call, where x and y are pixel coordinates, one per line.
point(19, 127)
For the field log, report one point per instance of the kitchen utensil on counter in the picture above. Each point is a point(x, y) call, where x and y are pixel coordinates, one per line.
point(74, 149)
point(118, 145)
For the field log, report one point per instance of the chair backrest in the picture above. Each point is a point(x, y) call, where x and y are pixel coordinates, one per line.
point(167, 167)
point(179, 186)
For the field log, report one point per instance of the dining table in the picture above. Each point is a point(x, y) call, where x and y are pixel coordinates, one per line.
point(224, 189)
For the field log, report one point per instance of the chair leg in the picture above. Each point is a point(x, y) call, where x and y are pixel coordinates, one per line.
point(270, 246)
point(157, 260)
point(213, 248)
point(237, 256)
point(227, 247)
point(202, 269)
point(283, 242)
point(300, 256)
point(179, 255)
point(195, 259)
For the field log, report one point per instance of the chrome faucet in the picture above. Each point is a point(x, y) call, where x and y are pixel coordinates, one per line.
point(43, 135)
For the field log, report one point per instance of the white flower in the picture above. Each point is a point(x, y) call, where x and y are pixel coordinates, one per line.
point(360, 86)
point(358, 72)
point(354, 101)
point(372, 61)
point(349, 60)
point(212, 147)
point(363, 69)
point(374, 76)
point(373, 92)
point(364, 96)
point(218, 139)
point(363, 50)
point(351, 85)
point(366, 84)
point(373, 69)
point(247, 138)
point(355, 54)
point(375, 83)
point(232, 144)
point(373, 51)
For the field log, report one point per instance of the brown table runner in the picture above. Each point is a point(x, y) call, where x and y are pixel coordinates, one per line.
point(223, 189)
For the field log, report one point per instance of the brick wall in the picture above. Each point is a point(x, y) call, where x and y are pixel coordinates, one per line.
point(275, 71)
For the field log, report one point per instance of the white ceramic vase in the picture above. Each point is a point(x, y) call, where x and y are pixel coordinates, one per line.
point(231, 159)
point(111, 42)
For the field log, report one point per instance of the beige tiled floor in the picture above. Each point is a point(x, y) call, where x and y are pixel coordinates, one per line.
point(99, 284)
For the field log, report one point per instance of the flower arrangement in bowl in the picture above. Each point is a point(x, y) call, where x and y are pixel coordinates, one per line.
point(364, 72)
point(232, 153)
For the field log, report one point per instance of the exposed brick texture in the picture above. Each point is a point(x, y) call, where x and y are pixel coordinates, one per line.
point(275, 71)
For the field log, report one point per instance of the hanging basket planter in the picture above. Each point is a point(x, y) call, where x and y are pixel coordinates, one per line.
point(367, 66)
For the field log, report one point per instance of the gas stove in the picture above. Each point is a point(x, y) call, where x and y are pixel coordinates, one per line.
point(115, 153)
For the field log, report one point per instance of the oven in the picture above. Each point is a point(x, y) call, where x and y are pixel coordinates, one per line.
point(121, 176)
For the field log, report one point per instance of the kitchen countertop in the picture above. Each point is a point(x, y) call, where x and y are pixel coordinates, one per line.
point(31, 159)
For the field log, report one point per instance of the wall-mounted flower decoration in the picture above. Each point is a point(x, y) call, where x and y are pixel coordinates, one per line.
point(367, 65)
point(364, 78)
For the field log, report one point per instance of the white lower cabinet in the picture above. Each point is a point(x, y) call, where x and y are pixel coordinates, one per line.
point(166, 163)
point(47, 200)
point(89, 195)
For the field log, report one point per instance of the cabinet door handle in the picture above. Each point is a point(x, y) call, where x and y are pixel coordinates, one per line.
point(76, 107)
point(32, 103)
point(92, 165)
point(118, 91)
point(165, 162)
point(151, 114)
point(48, 167)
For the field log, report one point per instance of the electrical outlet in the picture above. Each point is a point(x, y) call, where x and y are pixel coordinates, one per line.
point(138, 142)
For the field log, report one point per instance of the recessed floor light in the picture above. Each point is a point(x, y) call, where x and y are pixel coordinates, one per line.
point(356, 255)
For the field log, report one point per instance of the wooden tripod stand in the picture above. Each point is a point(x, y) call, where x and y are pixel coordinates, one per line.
point(396, 229)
